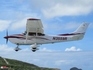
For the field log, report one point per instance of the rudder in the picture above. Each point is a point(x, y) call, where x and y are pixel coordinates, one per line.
point(80, 31)
point(82, 28)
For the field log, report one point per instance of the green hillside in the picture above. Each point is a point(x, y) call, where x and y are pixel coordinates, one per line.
point(19, 65)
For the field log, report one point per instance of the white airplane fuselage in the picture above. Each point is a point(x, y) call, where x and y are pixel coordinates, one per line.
point(20, 39)
point(38, 39)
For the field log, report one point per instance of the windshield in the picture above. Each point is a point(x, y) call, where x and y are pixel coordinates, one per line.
point(25, 32)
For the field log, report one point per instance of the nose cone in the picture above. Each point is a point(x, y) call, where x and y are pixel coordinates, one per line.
point(6, 37)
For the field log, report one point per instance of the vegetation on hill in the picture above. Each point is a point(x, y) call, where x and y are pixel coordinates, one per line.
point(19, 65)
point(75, 68)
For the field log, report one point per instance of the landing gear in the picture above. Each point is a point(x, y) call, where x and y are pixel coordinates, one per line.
point(34, 47)
point(17, 48)
point(33, 50)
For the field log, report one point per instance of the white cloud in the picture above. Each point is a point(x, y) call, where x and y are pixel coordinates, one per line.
point(71, 25)
point(4, 24)
point(59, 27)
point(73, 48)
point(46, 50)
point(66, 8)
point(62, 60)
point(19, 24)
point(66, 62)
point(5, 48)
point(49, 9)
point(59, 62)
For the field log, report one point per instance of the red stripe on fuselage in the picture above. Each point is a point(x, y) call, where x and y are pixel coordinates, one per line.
point(21, 37)
point(70, 34)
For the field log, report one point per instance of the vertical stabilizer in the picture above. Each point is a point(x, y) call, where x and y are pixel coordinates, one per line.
point(80, 31)
point(82, 28)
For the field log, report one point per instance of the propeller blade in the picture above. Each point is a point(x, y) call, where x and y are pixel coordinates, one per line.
point(7, 33)
point(6, 36)
point(6, 41)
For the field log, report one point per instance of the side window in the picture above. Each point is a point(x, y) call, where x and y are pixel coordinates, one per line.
point(31, 34)
point(34, 34)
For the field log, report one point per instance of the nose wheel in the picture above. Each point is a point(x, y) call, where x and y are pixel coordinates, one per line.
point(34, 47)
point(17, 48)
point(33, 50)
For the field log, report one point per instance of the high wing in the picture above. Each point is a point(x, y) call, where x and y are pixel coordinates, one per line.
point(34, 26)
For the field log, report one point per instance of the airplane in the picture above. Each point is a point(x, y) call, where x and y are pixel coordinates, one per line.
point(34, 35)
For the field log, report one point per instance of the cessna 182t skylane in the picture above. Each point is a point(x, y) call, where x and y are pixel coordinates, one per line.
point(34, 35)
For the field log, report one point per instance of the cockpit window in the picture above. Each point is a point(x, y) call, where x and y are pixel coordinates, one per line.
point(33, 34)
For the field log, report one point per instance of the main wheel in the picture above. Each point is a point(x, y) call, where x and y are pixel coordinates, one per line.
point(17, 49)
point(33, 50)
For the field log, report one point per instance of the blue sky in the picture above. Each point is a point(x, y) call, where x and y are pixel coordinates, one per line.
point(58, 16)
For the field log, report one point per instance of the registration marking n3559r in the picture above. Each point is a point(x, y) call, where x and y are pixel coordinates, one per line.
point(59, 38)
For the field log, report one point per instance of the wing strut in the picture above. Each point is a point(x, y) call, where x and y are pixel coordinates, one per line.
point(37, 31)
point(27, 35)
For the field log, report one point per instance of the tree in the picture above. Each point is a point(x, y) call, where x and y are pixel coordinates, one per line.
point(75, 68)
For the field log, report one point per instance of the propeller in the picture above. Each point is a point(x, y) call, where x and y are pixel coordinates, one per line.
point(6, 37)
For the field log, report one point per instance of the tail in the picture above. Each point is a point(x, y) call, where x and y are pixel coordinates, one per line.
point(80, 31)
point(82, 28)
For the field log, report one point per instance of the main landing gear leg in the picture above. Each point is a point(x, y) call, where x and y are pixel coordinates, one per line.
point(17, 48)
